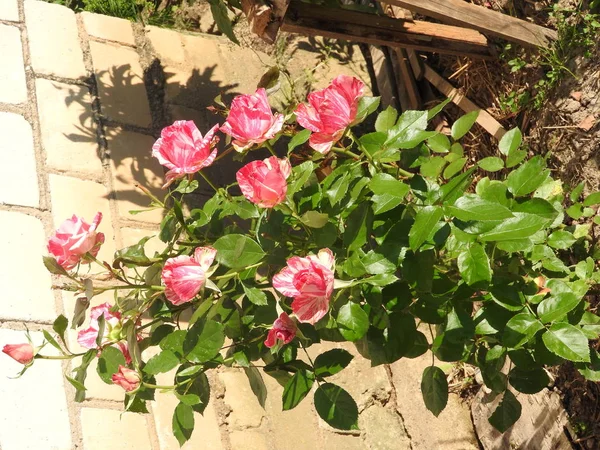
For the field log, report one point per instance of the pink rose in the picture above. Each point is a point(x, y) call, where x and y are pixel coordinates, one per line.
point(330, 111)
point(251, 120)
point(126, 378)
point(22, 353)
point(87, 338)
point(184, 276)
point(284, 329)
point(73, 239)
point(310, 282)
point(182, 149)
point(264, 182)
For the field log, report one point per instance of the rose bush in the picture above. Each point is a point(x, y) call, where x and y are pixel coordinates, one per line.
point(391, 239)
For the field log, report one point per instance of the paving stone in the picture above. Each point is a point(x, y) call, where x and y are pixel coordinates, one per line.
point(9, 10)
point(67, 127)
point(203, 119)
point(249, 440)
point(132, 236)
point(13, 87)
point(84, 198)
point(298, 425)
point(18, 180)
point(26, 284)
point(451, 430)
point(206, 435)
point(246, 412)
point(167, 43)
point(120, 84)
point(383, 429)
point(364, 383)
point(109, 28)
point(132, 163)
point(127, 431)
point(34, 411)
point(53, 40)
point(331, 440)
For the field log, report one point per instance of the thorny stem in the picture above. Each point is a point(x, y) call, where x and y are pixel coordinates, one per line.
point(149, 194)
point(210, 183)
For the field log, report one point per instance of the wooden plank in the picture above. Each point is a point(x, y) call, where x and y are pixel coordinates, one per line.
point(381, 30)
point(486, 121)
point(265, 18)
point(407, 81)
point(461, 13)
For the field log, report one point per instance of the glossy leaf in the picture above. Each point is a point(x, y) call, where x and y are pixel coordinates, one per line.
point(464, 124)
point(474, 264)
point(203, 341)
point(506, 413)
point(237, 251)
point(297, 388)
point(557, 306)
point(353, 321)
point(183, 423)
point(528, 177)
point(567, 341)
point(434, 387)
point(491, 164)
point(520, 329)
point(511, 141)
point(425, 220)
point(162, 362)
point(336, 407)
point(332, 362)
point(108, 363)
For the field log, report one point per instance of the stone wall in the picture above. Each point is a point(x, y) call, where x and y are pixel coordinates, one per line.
point(82, 99)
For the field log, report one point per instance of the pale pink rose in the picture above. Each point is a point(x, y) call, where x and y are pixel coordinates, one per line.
point(251, 120)
point(87, 338)
point(126, 378)
point(264, 182)
point(330, 111)
point(184, 276)
point(73, 239)
point(22, 353)
point(182, 149)
point(309, 281)
point(284, 329)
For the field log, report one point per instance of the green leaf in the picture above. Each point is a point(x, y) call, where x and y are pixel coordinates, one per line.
point(163, 362)
point(557, 306)
point(203, 341)
point(299, 138)
point(301, 174)
point(464, 124)
point(434, 387)
point(474, 264)
point(174, 341)
point(472, 207)
point(520, 329)
point(52, 341)
point(257, 384)
point(537, 206)
point(575, 193)
point(332, 362)
point(592, 199)
point(108, 363)
point(199, 387)
point(439, 143)
point(168, 227)
point(338, 189)
point(81, 373)
point(336, 407)
point(237, 251)
point(454, 167)
point(53, 266)
point(515, 158)
point(221, 18)
point(491, 164)
point(528, 177)
point(389, 192)
point(528, 381)
point(76, 384)
point(567, 341)
point(519, 227)
point(60, 326)
point(358, 226)
point(376, 263)
point(297, 388)
point(186, 186)
point(366, 106)
point(591, 371)
point(433, 167)
point(183, 423)
point(255, 295)
point(353, 321)
point(511, 141)
point(314, 219)
point(386, 119)
point(561, 240)
point(507, 412)
point(455, 188)
point(425, 222)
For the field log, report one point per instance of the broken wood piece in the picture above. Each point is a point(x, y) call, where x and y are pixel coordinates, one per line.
point(313, 20)
point(461, 13)
point(485, 120)
point(407, 82)
point(265, 19)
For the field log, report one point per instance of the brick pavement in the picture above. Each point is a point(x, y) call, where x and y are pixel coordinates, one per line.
point(82, 98)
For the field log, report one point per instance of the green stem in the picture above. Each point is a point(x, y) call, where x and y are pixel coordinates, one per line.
point(270, 148)
point(149, 194)
point(158, 386)
point(231, 275)
point(210, 183)
point(342, 151)
point(222, 155)
point(38, 356)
